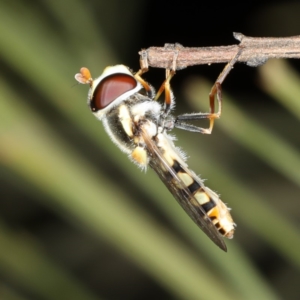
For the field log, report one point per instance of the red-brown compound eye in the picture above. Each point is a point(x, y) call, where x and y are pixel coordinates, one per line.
point(110, 88)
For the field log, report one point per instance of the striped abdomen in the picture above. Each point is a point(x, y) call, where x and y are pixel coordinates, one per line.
point(213, 206)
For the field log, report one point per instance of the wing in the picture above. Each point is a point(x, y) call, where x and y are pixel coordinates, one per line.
point(180, 191)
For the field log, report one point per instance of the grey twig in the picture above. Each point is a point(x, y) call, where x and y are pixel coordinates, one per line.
point(255, 51)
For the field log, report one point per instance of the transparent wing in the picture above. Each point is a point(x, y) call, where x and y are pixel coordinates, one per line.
point(181, 193)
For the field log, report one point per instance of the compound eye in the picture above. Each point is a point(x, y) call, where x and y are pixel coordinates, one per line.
point(110, 88)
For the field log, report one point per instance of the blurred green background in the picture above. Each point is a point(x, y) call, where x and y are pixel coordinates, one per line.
point(79, 221)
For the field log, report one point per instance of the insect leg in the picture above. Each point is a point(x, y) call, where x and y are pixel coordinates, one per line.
point(144, 68)
point(170, 72)
point(212, 115)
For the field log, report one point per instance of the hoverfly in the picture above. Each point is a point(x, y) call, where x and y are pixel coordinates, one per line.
point(138, 125)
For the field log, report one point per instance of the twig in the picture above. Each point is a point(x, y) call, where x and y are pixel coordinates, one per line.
point(255, 52)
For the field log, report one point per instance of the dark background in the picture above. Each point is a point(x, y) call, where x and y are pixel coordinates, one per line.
point(79, 221)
